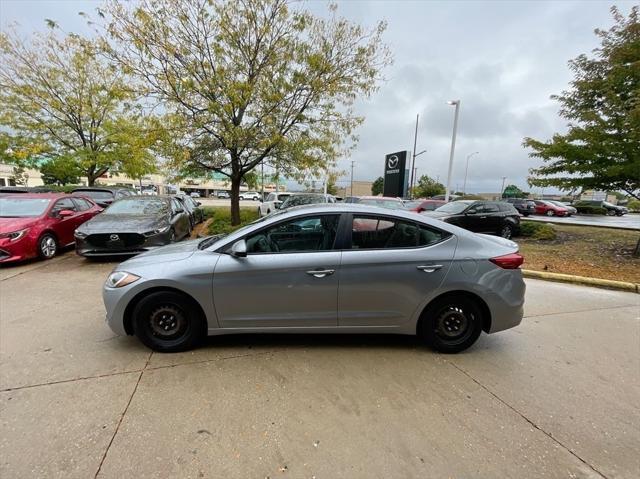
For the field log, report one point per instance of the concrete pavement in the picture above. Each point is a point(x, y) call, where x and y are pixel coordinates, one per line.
point(556, 397)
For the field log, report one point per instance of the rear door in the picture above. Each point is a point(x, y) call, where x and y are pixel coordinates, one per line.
point(289, 277)
point(391, 266)
point(492, 218)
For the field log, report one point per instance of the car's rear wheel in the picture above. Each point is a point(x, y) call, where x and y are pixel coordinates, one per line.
point(506, 231)
point(47, 246)
point(549, 213)
point(451, 325)
point(168, 322)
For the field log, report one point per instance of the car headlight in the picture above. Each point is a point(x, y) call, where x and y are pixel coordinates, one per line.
point(80, 234)
point(15, 235)
point(157, 231)
point(118, 279)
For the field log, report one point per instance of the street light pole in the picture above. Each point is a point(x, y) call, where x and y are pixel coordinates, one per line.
point(453, 145)
point(413, 161)
point(352, 162)
point(466, 170)
point(502, 188)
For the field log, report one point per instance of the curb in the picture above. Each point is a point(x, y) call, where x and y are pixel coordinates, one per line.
point(589, 225)
point(583, 280)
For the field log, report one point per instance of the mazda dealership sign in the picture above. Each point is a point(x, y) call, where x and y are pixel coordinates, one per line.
point(395, 174)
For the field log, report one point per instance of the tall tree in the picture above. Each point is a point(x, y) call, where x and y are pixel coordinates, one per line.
point(248, 80)
point(378, 186)
point(601, 149)
point(61, 171)
point(512, 191)
point(59, 98)
point(428, 187)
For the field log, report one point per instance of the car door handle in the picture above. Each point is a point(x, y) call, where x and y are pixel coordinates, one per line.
point(483, 217)
point(429, 268)
point(321, 273)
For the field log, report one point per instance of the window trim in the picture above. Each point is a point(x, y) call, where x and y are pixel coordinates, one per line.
point(226, 249)
point(393, 218)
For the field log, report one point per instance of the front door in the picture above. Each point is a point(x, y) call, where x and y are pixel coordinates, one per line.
point(65, 227)
point(392, 266)
point(289, 277)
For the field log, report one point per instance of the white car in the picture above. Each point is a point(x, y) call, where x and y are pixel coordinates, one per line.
point(250, 195)
point(194, 194)
point(272, 203)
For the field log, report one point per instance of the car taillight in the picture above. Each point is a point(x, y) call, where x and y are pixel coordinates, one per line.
point(508, 261)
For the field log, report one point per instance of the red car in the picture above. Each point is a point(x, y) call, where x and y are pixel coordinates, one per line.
point(39, 224)
point(550, 209)
point(423, 205)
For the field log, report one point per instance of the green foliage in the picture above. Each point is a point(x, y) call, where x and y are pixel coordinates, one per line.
point(60, 99)
point(60, 170)
point(601, 149)
point(245, 81)
point(221, 219)
point(538, 231)
point(590, 209)
point(428, 187)
point(634, 205)
point(512, 191)
point(378, 186)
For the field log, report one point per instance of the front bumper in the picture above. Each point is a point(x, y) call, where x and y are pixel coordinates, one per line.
point(127, 244)
point(20, 250)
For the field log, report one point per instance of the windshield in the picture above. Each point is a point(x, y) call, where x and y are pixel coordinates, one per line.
point(455, 207)
point(606, 203)
point(138, 206)
point(95, 194)
point(23, 207)
point(412, 204)
point(297, 200)
point(391, 204)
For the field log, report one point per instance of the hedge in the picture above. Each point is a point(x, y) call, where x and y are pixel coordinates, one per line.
point(590, 210)
point(539, 231)
point(221, 219)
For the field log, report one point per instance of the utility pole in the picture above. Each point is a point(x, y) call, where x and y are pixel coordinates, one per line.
point(466, 170)
point(456, 103)
point(413, 160)
point(262, 180)
point(352, 162)
point(502, 188)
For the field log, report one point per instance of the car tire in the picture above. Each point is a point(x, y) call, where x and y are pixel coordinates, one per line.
point(47, 246)
point(451, 324)
point(549, 213)
point(172, 236)
point(611, 213)
point(168, 322)
point(619, 213)
point(506, 231)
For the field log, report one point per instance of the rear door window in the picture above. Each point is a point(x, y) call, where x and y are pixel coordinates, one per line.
point(374, 232)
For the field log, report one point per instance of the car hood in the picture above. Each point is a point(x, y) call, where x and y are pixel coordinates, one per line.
point(123, 224)
point(172, 252)
point(9, 225)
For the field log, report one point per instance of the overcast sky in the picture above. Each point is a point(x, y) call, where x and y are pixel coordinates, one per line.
point(502, 59)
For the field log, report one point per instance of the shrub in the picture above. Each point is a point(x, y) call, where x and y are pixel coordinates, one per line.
point(221, 219)
point(538, 231)
point(634, 205)
point(590, 210)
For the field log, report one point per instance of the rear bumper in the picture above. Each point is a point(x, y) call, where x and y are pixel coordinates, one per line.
point(506, 303)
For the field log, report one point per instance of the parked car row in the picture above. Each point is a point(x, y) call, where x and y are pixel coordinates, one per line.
point(40, 224)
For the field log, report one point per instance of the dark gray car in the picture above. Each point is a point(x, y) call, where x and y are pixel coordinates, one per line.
point(133, 225)
point(340, 268)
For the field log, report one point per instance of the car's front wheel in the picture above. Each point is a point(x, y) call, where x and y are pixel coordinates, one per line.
point(451, 325)
point(47, 246)
point(168, 322)
point(549, 213)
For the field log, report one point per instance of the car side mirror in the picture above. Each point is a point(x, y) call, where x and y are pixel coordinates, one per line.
point(198, 203)
point(239, 249)
point(472, 211)
point(65, 213)
point(180, 210)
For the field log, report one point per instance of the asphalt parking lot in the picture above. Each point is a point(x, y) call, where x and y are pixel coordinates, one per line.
point(630, 221)
point(558, 396)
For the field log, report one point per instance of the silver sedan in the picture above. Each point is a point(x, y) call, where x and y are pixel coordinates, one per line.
point(340, 268)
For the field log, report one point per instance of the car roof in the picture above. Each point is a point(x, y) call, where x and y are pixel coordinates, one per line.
point(371, 197)
point(51, 196)
point(102, 188)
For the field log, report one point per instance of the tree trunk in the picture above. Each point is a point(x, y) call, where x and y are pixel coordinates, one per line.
point(636, 252)
point(235, 199)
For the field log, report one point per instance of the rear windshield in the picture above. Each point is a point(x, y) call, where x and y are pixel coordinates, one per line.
point(454, 207)
point(297, 200)
point(391, 204)
point(16, 207)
